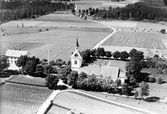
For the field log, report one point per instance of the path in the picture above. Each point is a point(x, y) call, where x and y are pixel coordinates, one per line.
point(82, 102)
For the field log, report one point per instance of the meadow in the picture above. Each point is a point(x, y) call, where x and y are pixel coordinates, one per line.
point(59, 39)
point(21, 99)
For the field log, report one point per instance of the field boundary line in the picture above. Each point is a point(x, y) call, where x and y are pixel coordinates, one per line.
point(22, 83)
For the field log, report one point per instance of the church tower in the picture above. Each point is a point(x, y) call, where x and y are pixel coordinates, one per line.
point(76, 58)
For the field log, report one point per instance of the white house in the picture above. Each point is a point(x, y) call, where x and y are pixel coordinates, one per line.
point(13, 56)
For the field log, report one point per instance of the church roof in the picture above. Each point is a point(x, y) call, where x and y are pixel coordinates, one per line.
point(15, 53)
point(76, 54)
point(105, 71)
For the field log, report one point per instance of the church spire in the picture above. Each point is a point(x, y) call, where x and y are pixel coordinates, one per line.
point(77, 44)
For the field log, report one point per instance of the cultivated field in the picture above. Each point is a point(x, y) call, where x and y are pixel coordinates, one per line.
point(60, 38)
point(136, 39)
point(142, 36)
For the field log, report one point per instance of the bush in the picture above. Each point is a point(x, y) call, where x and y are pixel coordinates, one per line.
point(159, 80)
point(51, 81)
point(72, 79)
point(163, 31)
point(151, 79)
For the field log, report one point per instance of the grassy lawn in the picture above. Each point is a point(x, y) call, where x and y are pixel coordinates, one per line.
point(28, 80)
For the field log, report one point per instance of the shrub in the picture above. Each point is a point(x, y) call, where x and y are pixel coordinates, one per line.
point(163, 31)
point(144, 89)
point(72, 79)
point(159, 80)
point(51, 81)
point(151, 79)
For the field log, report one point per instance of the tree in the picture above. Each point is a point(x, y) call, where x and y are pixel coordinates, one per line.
point(136, 55)
point(163, 31)
point(124, 55)
point(72, 78)
point(100, 52)
point(144, 89)
point(125, 89)
point(30, 67)
point(39, 71)
point(65, 71)
point(116, 55)
point(22, 60)
point(108, 54)
point(51, 81)
point(86, 56)
point(3, 63)
point(165, 2)
point(81, 80)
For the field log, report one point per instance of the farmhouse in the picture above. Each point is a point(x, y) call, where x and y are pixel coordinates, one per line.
point(115, 71)
point(13, 56)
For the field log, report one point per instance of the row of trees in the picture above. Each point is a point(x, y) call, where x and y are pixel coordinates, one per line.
point(138, 11)
point(31, 10)
point(90, 55)
point(94, 83)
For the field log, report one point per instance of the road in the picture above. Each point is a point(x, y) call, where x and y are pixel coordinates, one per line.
point(89, 105)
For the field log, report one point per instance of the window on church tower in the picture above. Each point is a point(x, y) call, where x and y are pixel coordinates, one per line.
point(76, 55)
point(75, 62)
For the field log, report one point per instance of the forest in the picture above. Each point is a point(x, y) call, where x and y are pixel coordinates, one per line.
point(17, 9)
point(139, 11)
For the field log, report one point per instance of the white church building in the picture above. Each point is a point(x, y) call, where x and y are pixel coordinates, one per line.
point(114, 71)
point(12, 56)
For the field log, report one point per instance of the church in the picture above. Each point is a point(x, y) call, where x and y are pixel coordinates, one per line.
point(115, 69)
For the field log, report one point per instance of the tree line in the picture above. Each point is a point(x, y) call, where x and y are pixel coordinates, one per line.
point(16, 11)
point(138, 11)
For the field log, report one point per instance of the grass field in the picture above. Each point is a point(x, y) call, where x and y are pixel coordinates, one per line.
point(21, 99)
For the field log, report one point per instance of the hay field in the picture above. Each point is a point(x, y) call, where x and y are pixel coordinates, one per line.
point(21, 99)
point(59, 39)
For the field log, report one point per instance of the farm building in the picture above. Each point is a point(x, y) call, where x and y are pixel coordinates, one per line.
point(115, 70)
point(13, 56)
